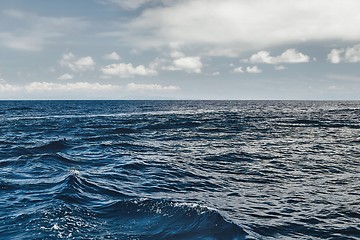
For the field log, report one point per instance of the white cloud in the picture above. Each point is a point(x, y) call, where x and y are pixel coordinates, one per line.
point(83, 64)
point(335, 55)
point(80, 90)
point(289, 56)
point(242, 26)
point(125, 70)
point(350, 55)
point(77, 65)
point(112, 56)
point(48, 86)
point(188, 64)
point(253, 69)
point(66, 76)
point(150, 87)
point(5, 87)
point(249, 69)
point(238, 70)
point(34, 32)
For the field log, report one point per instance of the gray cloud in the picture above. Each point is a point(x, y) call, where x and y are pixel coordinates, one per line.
point(34, 32)
point(242, 26)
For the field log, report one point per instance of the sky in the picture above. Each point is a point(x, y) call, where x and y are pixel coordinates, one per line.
point(180, 49)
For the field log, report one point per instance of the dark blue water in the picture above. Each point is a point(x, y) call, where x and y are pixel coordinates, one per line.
point(179, 170)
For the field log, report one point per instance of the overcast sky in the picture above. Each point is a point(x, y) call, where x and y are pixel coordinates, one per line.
point(180, 49)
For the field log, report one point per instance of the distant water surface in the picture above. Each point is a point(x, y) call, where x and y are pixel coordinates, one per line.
point(179, 170)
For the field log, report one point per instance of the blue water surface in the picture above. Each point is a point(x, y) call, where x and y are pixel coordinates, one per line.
point(179, 170)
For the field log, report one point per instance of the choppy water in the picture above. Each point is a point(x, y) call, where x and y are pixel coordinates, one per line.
point(179, 170)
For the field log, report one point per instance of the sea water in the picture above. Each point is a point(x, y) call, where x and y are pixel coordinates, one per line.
point(179, 170)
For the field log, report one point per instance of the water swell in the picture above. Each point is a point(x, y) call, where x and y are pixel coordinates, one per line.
point(54, 146)
point(164, 219)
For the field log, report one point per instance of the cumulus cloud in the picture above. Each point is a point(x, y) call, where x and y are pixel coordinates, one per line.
point(6, 87)
point(350, 55)
point(238, 70)
point(77, 64)
point(213, 24)
point(125, 70)
point(289, 56)
point(34, 32)
point(66, 76)
point(335, 55)
point(112, 56)
point(188, 64)
point(150, 87)
point(249, 69)
point(253, 69)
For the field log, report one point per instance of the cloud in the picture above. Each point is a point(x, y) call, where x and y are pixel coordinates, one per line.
point(240, 25)
point(249, 69)
point(150, 87)
point(177, 54)
point(48, 86)
point(34, 32)
point(188, 64)
point(178, 62)
point(77, 65)
point(6, 87)
point(112, 56)
point(350, 55)
point(253, 69)
point(289, 56)
point(66, 76)
point(125, 70)
point(335, 55)
point(238, 70)
point(80, 90)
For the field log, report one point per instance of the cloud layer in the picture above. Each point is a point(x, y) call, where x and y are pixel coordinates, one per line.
point(240, 25)
point(34, 32)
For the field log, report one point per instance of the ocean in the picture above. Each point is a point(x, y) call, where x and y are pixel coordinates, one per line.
point(179, 170)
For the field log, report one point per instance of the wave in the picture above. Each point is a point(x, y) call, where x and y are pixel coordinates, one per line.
point(238, 157)
point(123, 131)
point(75, 188)
point(55, 146)
point(164, 219)
point(19, 109)
point(316, 123)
